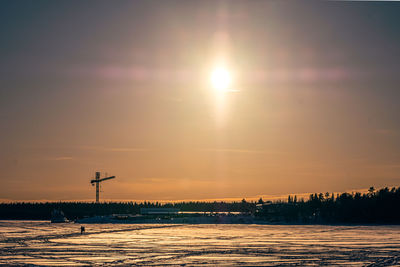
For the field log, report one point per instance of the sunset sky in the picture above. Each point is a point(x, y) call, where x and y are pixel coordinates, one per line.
point(126, 87)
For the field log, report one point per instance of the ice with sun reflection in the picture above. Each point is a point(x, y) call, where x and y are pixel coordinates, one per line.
point(45, 244)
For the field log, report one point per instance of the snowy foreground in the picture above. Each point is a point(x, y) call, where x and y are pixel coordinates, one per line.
point(42, 243)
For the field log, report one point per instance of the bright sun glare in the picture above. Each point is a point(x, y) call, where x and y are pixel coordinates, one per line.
point(221, 79)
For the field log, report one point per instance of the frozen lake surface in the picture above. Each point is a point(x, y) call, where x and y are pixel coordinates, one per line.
point(42, 243)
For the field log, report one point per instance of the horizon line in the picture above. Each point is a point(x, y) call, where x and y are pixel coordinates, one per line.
point(271, 197)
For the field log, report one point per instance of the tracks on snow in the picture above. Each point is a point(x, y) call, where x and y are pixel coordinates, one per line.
point(54, 236)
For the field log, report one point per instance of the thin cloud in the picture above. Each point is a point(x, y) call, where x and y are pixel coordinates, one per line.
point(247, 151)
point(137, 73)
point(113, 149)
point(60, 158)
point(122, 149)
point(387, 132)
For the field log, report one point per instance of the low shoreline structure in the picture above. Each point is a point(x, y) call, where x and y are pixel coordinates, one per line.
point(205, 219)
point(181, 218)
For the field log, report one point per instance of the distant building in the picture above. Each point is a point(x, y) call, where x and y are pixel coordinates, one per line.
point(264, 208)
point(57, 216)
point(158, 211)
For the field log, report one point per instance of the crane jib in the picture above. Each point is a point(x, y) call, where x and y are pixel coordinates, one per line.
point(102, 179)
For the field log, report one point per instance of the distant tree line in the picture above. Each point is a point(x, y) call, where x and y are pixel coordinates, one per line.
point(381, 206)
point(75, 210)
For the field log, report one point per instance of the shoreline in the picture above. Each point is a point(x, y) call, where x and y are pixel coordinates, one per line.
point(187, 223)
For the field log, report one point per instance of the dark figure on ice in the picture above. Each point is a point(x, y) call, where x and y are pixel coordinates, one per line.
point(82, 229)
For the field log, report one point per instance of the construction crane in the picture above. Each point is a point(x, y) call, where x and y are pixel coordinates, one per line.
point(97, 181)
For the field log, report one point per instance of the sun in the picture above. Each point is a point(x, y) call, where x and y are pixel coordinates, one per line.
point(221, 79)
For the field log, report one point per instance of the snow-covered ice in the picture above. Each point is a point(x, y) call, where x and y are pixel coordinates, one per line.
point(43, 243)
